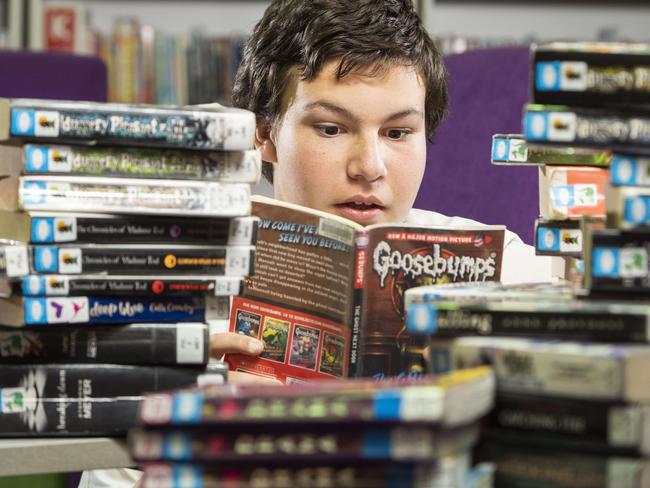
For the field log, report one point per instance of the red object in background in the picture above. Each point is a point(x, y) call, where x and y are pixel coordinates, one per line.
point(61, 26)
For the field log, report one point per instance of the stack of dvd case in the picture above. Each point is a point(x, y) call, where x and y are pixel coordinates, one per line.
point(332, 433)
point(573, 402)
point(135, 225)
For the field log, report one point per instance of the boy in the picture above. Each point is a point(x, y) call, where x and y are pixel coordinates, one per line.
point(347, 94)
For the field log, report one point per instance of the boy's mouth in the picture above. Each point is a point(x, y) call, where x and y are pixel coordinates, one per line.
point(362, 210)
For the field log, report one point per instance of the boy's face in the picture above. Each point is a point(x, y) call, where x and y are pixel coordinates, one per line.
point(355, 147)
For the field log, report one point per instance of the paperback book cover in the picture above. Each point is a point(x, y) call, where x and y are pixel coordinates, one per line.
point(327, 295)
point(153, 343)
point(86, 399)
point(215, 128)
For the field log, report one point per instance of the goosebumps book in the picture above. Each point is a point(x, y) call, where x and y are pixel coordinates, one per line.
point(327, 295)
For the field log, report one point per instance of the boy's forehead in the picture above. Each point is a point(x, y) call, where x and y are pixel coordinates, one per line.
point(327, 83)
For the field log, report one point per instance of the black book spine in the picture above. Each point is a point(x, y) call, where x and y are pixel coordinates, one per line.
point(78, 399)
point(133, 230)
point(591, 79)
point(605, 422)
point(142, 260)
point(133, 286)
point(160, 344)
point(577, 325)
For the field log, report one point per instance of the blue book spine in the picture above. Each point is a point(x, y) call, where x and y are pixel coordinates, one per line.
point(111, 310)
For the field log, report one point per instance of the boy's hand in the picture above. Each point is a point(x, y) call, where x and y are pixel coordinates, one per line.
point(230, 342)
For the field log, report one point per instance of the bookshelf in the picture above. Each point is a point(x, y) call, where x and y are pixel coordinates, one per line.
point(52, 455)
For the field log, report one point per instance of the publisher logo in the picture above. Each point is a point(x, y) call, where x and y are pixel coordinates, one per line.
point(157, 287)
point(170, 261)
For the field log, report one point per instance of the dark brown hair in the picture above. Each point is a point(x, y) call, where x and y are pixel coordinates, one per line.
point(305, 34)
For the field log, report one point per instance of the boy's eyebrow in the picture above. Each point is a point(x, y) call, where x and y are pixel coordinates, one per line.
point(349, 115)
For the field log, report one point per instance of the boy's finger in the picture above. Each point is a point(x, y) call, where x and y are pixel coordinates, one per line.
point(229, 342)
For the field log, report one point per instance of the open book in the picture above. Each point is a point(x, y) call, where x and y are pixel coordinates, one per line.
point(327, 294)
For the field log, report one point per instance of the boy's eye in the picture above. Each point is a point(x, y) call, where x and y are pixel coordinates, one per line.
point(329, 130)
point(397, 134)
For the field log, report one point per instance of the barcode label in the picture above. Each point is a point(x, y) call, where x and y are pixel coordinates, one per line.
point(337, 231)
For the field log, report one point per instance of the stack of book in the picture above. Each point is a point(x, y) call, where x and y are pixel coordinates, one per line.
point(137, 230)
point(572, 400)
point(332, 433)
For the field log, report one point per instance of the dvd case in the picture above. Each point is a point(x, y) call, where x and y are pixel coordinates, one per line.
point(133, 285)
point(125, 196)
point(86, 399)
point(143, 259)
point(153, 343)
point(224, 167)
point(216, 128)
point(58, 227)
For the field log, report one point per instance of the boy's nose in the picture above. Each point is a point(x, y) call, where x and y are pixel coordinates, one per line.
point(367, 160)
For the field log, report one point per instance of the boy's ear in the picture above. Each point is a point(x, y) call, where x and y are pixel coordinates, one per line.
point(264, 142)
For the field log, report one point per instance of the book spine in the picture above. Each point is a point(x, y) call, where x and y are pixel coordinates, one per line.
point(630, 170)
point(519, 466)
point(449, 320)
point(577, 374)
point(570, 192)
point(628, 207)
point(558, 238)
point(161, 197)
point(225, 167)
point(618, 261)
point(608, 424)
point(355, 367)
point(513, 150)
point(562, 125)
point(81, 399)
point(14, 261)
point(591, 79)
point(107, 310)
point(309, 407)
point(53, 228)
point(189, 475)
point(160, 344)
point(132, 125)
point(138, 286)
point(142, 260)
point(388, 443)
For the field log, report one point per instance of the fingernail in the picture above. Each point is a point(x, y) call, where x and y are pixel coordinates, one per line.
point(255, 346)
